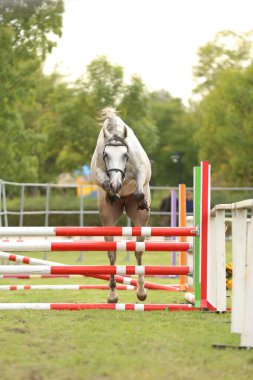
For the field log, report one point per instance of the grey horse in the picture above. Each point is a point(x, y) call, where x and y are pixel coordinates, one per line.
point(121, 169)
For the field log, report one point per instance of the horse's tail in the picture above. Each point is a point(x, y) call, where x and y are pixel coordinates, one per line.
point(107, 112)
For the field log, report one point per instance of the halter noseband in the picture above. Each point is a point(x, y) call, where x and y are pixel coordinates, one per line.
point(110, 143)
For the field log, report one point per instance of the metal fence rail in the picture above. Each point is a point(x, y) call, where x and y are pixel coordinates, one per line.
point(81, 211)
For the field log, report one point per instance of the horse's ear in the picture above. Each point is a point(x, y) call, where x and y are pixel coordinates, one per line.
point(106, 133)
point(125, 131)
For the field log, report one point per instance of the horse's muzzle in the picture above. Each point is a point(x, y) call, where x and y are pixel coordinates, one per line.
point(115, 181)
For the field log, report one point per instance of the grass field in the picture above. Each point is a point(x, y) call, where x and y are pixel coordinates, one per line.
point(101, 345)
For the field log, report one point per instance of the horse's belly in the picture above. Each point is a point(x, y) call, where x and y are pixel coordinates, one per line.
point(128, 188)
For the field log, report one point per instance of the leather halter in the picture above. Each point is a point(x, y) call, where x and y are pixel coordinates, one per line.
point(110, 143)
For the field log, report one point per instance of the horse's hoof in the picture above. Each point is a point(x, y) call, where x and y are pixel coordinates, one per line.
point(112, 300)
point(141, 297)
point(143, 205)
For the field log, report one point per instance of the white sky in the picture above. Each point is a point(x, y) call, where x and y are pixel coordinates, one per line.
point(156, 39)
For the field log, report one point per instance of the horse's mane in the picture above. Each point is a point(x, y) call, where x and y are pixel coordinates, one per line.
point(107, 112)
point(113, 124)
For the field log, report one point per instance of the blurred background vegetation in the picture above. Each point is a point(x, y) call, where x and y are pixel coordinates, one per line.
point(49, 126)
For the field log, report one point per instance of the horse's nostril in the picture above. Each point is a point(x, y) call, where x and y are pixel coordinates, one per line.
point(115, 187)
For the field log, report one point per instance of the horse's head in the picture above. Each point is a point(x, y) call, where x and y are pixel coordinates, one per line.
point(115, 156)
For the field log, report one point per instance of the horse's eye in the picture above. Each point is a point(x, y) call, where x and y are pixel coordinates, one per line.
point(126, 155)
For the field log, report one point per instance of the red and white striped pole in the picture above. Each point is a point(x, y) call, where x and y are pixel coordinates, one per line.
point(96, 306)
point(120, 279)
point(97, 231)
point(25, 259)
point(63, 287)
point(51, 246)
point(88, 270)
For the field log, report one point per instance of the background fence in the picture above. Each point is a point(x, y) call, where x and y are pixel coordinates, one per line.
point(38, 204)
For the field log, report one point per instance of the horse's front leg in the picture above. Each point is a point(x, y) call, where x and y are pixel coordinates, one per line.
point(103, 181)
point(139, 218)
point(112, 296)
point(109, 214)
point(141, 291)
point(139, 193)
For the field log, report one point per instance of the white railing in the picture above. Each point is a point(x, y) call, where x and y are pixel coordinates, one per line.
point(242, 256)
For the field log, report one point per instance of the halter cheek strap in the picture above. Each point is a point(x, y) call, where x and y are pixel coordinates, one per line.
point(110, 143)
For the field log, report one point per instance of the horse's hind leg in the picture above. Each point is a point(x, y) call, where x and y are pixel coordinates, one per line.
point(109, 214)
point(140, 218)
point(141, 291)
point(112, 295)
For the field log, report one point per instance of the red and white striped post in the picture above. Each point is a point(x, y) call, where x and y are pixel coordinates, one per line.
point(204, 232)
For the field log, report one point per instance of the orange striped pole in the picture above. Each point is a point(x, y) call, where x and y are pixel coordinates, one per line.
point(182, 223)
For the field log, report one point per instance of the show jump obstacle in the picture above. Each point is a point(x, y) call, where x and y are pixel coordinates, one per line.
point(204, 280)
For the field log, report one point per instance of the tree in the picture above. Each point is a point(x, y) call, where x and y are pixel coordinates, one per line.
point(104, 82)
point(225, 136)
point(135, 111)
point(103, 85)
point(176, 128)
point(225, 111)
point(24, 42)
point(30, 22)
point(227, 50)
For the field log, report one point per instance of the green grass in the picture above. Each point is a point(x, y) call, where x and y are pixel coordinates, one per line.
point(94, 345)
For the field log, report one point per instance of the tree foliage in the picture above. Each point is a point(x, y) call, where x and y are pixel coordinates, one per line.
point(175, 135)
point(226, 116)
point(24, 43)
point(227, 50)
point(135, 110)
point(48, 126)
point(225, 111)
point(104, 82)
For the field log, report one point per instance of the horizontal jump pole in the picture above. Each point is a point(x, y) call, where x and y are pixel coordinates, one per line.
point(25, 259)
point(63, 287)
point(50, 246)
point(134, 282)
point(96, 306)
point(88, 270)
point(35, 261)
point(120, 279)
point(32, 276)
point(97, 231)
